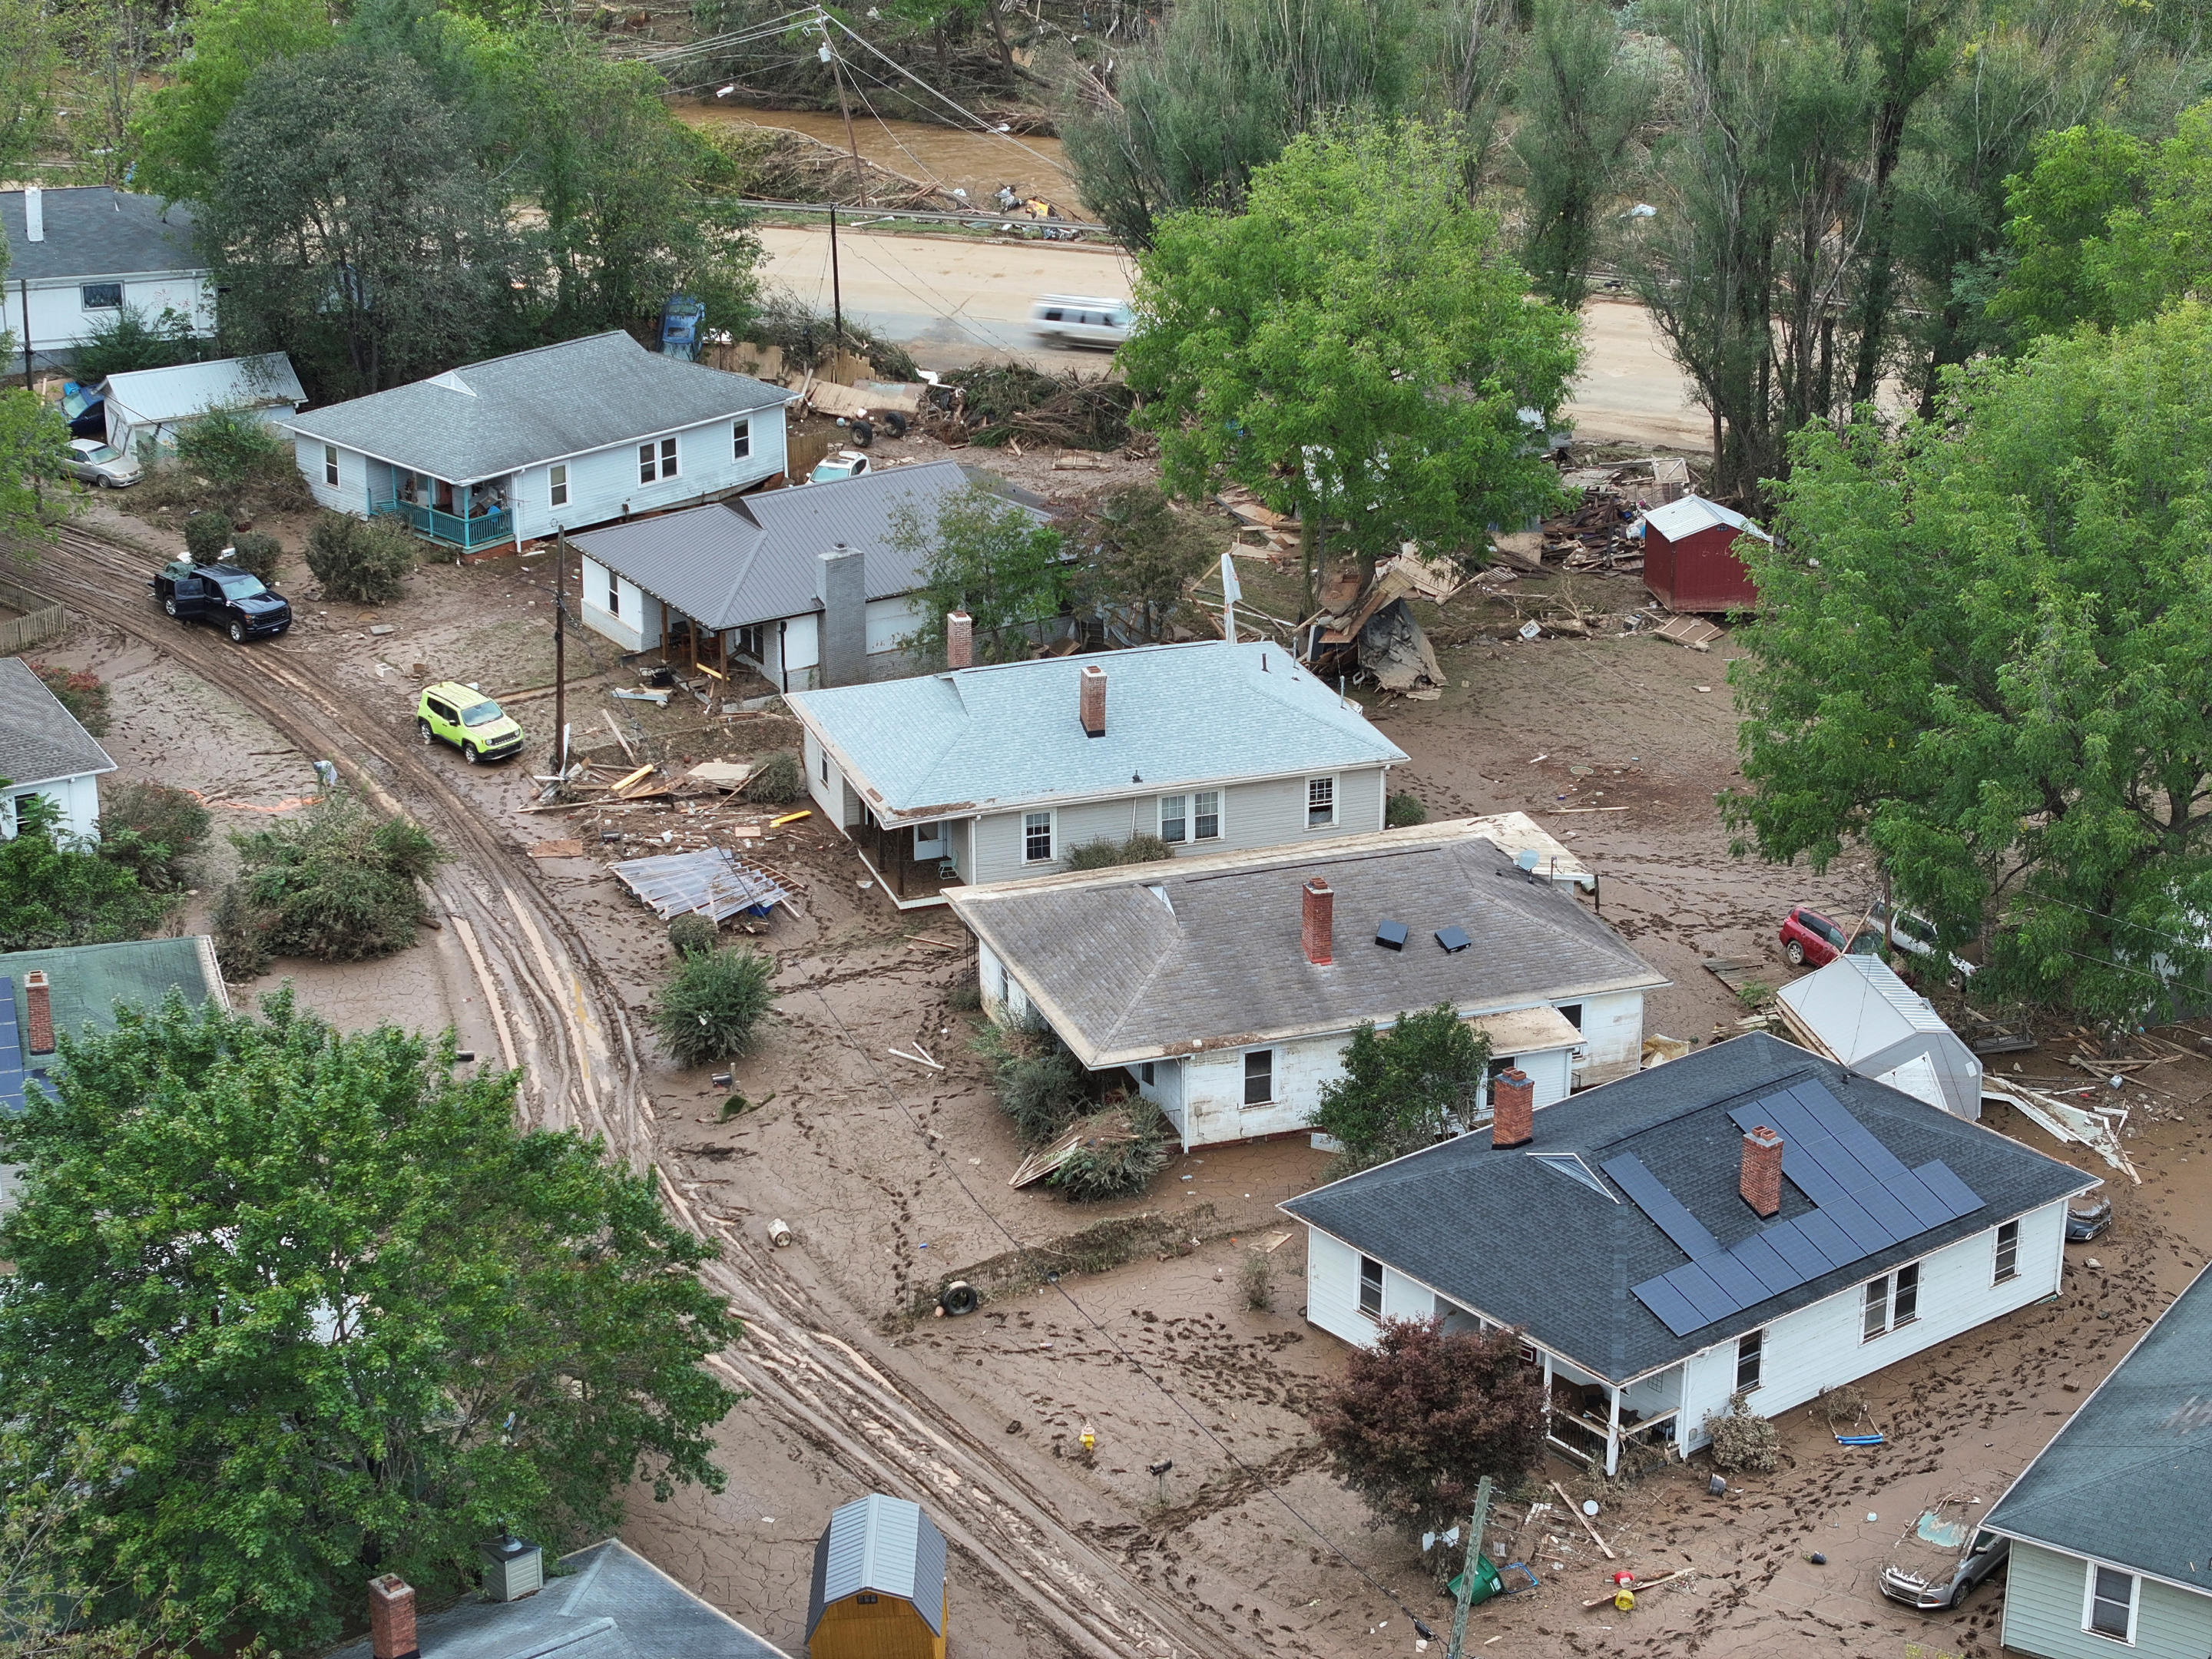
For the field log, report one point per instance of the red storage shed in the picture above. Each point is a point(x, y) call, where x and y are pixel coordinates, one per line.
point(1688, 564)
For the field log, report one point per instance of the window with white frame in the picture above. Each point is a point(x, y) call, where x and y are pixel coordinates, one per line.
point(1036, 837)
point(1320, 802)
point(1205, 815)
point(668, 457)
point(1370, 1287)
point(656, 461)
point(2109, 1608)
point(1891, 1302)
point(1750, 1351)
point(1260, 1077)
point(614, 594)
point(100, 296)
point(826, 766)
point(330, 465)
point(559, 476)
point(2007, 1257)
point(1174, 818)
point(647, 470)
point(741, 444)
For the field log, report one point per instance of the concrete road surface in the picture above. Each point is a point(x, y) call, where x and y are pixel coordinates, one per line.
point(951, 301)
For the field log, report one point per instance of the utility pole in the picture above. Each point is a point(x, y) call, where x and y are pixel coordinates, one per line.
point(837, 287)
point(561, 653)
point(845, 108)
point(26, 286)
point(1466, 1574)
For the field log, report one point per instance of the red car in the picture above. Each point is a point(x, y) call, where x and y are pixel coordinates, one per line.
point(1809, 939)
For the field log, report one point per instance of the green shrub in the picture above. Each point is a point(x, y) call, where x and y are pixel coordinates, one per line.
point(966, 995)
point(230, 446)
point(338, 883)
point(1100, 854)
point(713, 1003)
point(1403, 811)
point(776, 779)
point(1256, 1278)
point(693, 935)
point(366, 563)
point(153, 828)
point(1039, 1082)
point(259, 552)
point(1122, 1149)
point(240, 931)
point(127, 340)
point(206, 534)
point(54, 890)
point(78, 690)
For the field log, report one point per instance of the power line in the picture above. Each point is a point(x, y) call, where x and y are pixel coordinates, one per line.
point(981, 125)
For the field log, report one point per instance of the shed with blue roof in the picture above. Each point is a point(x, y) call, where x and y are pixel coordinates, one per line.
point(879, 1587)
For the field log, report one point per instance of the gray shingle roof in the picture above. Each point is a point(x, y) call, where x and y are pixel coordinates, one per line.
point(988, 738)
point(1441, 1215)
point(94, 231)
point(40, 739)
point(489, 419)
point(753, 559)
point(615, 1604)
point(2129, 1480)
point(882, 1544)
point(1124, 977)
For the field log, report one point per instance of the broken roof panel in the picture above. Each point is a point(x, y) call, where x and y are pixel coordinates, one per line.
point(713, 882)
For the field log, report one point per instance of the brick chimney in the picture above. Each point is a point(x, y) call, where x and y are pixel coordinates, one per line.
point(1761, 1181)
point(38, 1000)
point(1512, 1109)
point(1093, 681)
point(1318, 929)
point(959, 639)
point(392, 1618)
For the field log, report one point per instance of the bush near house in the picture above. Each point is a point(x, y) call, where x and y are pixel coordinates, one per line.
point(1119, 1151)
point(1040, 1083)
point(55, 891)
point(354, 560)
point(153, 829)
point(1403, 811)
point(776, 779)
point(257, 551)
point(1742, 1439)
point(1100, 854)
point(1409, 1087)
point(713, 1004)
point(78, 690)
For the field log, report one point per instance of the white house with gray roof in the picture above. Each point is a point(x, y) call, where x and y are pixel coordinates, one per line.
point(45, 751)
point(995, 772)
point(559, 438)
point(1227, 985)
point(78, 256)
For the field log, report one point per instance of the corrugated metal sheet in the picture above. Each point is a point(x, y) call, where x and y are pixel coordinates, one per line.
point(496, 418)
point(886, 1544)
point(1687, 516)
point(151, 396)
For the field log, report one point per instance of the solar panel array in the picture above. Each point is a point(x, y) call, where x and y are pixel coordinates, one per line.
point(11, 1050)
point(1865, 1201)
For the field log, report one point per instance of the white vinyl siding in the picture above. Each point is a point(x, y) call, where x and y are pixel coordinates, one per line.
point(2046, 1612)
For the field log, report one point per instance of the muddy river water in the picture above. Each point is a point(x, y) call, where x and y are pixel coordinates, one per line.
point(948, 157)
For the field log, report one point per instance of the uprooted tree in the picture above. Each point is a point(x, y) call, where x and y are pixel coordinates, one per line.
point(342, 883)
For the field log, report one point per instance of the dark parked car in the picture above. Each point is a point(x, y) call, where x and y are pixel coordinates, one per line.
point(2087, 1217)
point(1809, 939)
point(232, 599)
point(1943, 1555)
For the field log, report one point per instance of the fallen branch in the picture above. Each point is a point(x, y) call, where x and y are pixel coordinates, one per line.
point(1576, 1509)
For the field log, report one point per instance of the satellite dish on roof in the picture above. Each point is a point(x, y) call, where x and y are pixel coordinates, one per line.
point(1529, 858)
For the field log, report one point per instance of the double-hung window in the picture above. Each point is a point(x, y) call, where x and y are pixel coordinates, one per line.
point(1750, 1350)
point(1036, 837)
point(650, 466)
point(2008, 1258)
point(614, 594)
point(1370, 1287)
point(742, 444)
point(1260, 1077)
point(560, 478)
point(1205, 815)
point(1174, 818)
point(330, 465)
point(1892, 1302)
point(1321, 802)
point(2110, 1606)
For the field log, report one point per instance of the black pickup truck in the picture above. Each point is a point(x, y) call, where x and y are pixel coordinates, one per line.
point(232, 599)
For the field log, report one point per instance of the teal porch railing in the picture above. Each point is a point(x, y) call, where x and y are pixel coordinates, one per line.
point(467, 534)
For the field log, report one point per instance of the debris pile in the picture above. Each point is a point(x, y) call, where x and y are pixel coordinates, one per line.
point(1013, 403)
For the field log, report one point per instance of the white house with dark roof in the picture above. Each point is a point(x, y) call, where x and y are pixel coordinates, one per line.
point(748, 573)
point(559, 438)
point(1227, 985)
point(1750, 1218)
point(45, 751)
point(995, 772)
point(77, 257)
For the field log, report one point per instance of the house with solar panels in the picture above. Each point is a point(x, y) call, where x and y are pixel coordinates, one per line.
point(1750, 1218)
point(879, 1585)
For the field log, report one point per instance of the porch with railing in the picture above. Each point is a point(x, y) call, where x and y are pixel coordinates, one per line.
point(466, 531)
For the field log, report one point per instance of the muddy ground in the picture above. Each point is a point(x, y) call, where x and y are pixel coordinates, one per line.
point(893, 1175)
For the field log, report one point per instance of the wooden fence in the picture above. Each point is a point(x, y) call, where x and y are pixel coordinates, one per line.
point(42, 619)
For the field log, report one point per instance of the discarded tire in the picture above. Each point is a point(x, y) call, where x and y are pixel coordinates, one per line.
point(862, 434)
point(958, 1297)
point(895, 422)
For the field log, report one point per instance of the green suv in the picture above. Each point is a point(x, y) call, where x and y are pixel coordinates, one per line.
point(468, 720)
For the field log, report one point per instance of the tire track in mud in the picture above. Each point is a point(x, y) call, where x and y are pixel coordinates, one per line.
point(554, 1004)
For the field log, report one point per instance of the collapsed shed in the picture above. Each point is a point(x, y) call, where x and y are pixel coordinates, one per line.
point(1858, 1012)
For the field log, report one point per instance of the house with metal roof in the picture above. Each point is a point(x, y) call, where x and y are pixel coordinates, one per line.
point(993, 772)
point(44, 751)
point(78, 256)
point(1858, 1011)
point(1226, 985)
point(766, 579)
point(1749, 1219)
point(879, 1588)
point(558, 438)
point(148, 407)
point(2111, 1523)
point(604, 1601)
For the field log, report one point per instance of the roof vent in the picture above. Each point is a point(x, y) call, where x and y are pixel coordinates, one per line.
point(1390, 935)
point(1454, 939)
point(454, 382)
point(513, 1568)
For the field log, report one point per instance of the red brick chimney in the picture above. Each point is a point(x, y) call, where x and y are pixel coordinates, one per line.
point(1317, 931)
point(1761, 1181)
point(959, 639)
point(1512, 1109)
point(1093, 680)
point(392, 1618)
point(38, 1000)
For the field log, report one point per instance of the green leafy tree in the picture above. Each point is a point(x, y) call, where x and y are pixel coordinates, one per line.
point(337, 1315)
point(713, 1003)
point(1355, 348)
point(981, 553)
point(30, 65)
point(1980, 653)
point(1419, 1419)
point(33, 459)
point(1137, 554)
point(1583, 99)
point(1411, 1086)
point(355, 560)
point(128, 339)
point(233, 41)
point(55, 890)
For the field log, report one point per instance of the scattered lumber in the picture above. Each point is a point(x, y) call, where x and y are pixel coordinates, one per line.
point(1576, 1510)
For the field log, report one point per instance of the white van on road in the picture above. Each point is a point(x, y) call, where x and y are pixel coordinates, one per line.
point(1074, 319)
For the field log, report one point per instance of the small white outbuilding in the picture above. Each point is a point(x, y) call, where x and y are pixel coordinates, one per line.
point(1857, 1011)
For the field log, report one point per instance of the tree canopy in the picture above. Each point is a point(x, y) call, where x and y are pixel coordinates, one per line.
point(981, 553)
point(1355, 348)
point(1408, 1087)
point(55, 890)
point(1137, 554)
point(1980, 649)
point(312, 1308)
